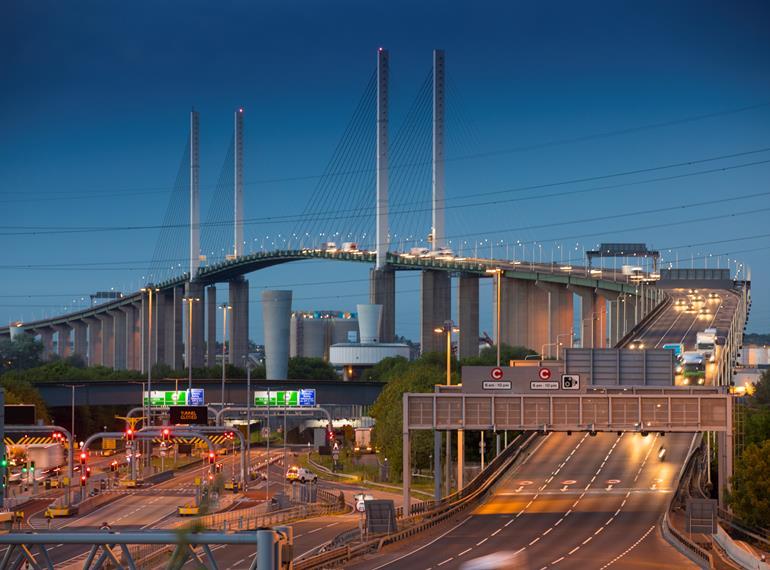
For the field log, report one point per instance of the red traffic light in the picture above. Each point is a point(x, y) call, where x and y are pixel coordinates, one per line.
point(83, 457)
point(82, 480)
point(166, 434)
point(88, 472)
point(212, 457)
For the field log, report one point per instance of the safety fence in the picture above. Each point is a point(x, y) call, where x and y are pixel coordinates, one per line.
point(422, 515)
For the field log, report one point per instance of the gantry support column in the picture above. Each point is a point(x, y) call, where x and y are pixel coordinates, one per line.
point(211, 325)
point(382, 291)
point(80, 339)
point(239, 321)
point(94, 341)
point(119, 340)
point(63, 340)
point(195, 354)
point(435, 308)
point(108, 339)
point(468, 315)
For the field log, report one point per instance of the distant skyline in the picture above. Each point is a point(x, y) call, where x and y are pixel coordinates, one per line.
point(556, 100)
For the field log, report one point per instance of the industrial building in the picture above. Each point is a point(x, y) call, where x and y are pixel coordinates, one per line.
point(311, 333)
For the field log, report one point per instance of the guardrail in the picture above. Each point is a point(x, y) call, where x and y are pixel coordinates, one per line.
point(698, 555)
point(421, 515)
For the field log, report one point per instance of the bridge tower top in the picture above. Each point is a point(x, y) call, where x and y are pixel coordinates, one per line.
point(382, 237)
point(195, 216)
point(438, 231)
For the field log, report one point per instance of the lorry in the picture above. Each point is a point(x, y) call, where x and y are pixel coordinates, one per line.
point(705, 343)
point(47, 456)
point(349, 246)
point(363, 440)
point(693, 367)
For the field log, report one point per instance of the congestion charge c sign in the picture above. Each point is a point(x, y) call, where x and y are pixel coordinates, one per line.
point(544, 373)
point(496, 373)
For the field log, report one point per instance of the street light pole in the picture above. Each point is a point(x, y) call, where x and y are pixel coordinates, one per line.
point(448, 328)
point(225, 308)
point(498, 277)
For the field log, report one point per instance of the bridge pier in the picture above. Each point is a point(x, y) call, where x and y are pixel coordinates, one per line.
point(80, 339)
point(94, 341)
point(435, 308)
point(169, 337)
point(593, 317)
point(134, 331)
point(46, 338)
point(108, 339)
point(382, 291)
point(211, 325)
point(194, 353)
point(239, 321)
point(119, 340)
point(63, 340)
point(468, 315)
point(559, 316)
point(525, 315)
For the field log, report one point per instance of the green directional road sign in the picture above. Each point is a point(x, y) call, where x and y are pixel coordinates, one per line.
point(160, 398)
point(277, 398)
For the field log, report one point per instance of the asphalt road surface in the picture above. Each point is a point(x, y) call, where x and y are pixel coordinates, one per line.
point(576, 502)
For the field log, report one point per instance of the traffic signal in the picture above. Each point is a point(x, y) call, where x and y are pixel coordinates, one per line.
point(83, 457)
point(212, 457)
point(129, 434)
point(82, 480)
point(3, 463)
point(88, 472)
point(330, 435)
point(166, 434)
point(32, 466)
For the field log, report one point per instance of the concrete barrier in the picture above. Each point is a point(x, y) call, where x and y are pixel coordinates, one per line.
point(739, 555)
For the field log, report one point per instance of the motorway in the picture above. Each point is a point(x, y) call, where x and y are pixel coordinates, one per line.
point(575, 502)
point(674, 325)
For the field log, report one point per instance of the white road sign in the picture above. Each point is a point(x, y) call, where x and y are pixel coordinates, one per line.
point(544, 373)
point(489, 385)
point(570, 382)
point(551, 385)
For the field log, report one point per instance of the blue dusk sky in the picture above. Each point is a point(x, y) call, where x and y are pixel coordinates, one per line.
point(568, 124)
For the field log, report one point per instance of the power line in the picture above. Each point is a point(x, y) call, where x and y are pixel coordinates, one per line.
point(89, 194)
point(48, 230)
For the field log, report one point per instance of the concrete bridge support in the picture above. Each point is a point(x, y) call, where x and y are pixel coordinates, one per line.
point(46, 338)
point(607, 310)
point(108, 339)
point(435, 308)
point(94, 341)
point(134, 330)
point(63, 340)
point(80, 340)
point(593, 317)
point(211, 325)
point(196, 350)
point(382, 291)
point(525, 315)
point(559, 317)
point(119, 339)
point(468, 315)
point(239, 321)
point(170, 334)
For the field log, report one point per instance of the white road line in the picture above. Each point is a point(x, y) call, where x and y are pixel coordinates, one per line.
point(557, 560)
point(445, 561)
point(496, 532)
point(482, 541)
point(466, 551)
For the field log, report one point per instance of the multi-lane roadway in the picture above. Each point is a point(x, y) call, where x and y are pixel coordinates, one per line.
point(575, 502)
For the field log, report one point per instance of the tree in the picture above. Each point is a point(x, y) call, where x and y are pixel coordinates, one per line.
point(305, 368)
point(761, 395)
point(22, 392)
point(419, 376)
point(488, 356)
point(750, 493)
point(20, 353)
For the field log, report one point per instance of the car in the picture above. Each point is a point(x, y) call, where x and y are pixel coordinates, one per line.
point(295, 473)
point(713, 296)
point(662, 453)
point(636, 344)
point(681, 302)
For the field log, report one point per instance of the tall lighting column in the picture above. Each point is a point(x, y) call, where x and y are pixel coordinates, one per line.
point(448, 328)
